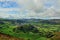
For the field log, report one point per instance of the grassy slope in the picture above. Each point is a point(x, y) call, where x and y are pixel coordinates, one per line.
point(26, 36)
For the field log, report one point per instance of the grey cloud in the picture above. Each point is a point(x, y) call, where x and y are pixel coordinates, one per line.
point(35, 9)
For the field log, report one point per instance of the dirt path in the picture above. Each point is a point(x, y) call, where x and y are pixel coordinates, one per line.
point(8, 37)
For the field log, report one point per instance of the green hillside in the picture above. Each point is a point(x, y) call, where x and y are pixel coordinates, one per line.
point(29, 29)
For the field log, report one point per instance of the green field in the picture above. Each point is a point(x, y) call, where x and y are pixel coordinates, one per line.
point(29, 31)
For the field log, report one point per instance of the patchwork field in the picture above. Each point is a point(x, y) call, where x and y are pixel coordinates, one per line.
point(29, 30)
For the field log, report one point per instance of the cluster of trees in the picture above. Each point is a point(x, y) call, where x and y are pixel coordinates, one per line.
point(33, 29)
point(26, 28)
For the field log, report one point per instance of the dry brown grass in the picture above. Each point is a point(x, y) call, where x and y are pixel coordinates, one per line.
point(56, 37)
point(7, 37)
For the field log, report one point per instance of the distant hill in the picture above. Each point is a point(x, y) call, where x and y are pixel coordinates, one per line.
point(50, 21)
point(55, 20)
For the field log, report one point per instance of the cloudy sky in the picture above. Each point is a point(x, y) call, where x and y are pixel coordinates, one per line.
point(18, 9)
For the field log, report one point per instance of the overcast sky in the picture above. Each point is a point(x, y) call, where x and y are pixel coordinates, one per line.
point(42, 9)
